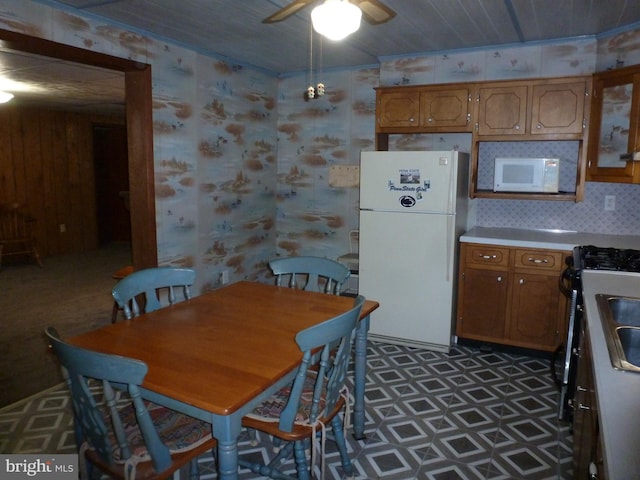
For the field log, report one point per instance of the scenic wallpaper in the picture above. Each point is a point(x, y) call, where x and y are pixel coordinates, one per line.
point(246, 169)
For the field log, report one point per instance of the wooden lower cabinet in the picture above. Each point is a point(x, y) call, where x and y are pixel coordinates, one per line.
point(510, 296)
point(489, 303)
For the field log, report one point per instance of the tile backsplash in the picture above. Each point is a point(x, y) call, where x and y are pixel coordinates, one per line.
point(586, 216)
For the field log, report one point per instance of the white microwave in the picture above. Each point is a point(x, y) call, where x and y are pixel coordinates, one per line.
point(526, 175)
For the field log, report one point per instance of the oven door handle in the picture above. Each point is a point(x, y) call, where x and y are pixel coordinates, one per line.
point(557, 354)
point(565, 281)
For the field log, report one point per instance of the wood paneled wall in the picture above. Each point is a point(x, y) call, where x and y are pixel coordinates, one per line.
point(46, 163)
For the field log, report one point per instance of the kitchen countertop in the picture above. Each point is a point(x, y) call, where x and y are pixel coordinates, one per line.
point(618, 392)
point(551, 239)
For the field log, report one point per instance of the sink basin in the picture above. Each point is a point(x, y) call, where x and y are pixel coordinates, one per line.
point(621, 323)
point(630, 341)
point(625, 311)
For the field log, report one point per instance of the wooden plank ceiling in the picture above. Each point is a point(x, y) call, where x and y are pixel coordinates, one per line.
point(234, 30)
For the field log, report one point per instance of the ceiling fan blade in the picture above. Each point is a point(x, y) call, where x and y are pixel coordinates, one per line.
point(287, 11)
point(374, 11)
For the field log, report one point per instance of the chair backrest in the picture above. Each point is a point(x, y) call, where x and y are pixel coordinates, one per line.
point(92, 378)
point(158, 285)
point(308, 273)
point(14, 224)
point(332, 364)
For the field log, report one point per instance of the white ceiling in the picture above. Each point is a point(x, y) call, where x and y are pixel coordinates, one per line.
point(233, 29)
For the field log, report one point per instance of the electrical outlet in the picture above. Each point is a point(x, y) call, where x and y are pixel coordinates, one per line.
point(224, 277)
point(609, 203)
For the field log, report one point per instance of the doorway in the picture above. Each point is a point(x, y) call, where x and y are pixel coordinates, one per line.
point(111, 169)
point(138, 99)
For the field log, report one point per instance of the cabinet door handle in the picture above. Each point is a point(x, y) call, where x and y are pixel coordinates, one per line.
point(538, 126)
point(517, 127)
point(412, 120)
point(537, 260)
point(430, 120)
point(487, 257)
point(521, 282)
point(499, 279)
point(582, 406)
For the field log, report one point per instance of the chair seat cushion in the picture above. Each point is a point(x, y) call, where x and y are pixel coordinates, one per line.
point(178, 432)
point(271, 408)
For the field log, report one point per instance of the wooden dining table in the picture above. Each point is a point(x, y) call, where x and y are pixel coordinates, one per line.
point(218, 355)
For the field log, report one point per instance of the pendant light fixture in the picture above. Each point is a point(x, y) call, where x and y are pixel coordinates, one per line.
point(318, 91)
point(336, 19)
point(5, 97)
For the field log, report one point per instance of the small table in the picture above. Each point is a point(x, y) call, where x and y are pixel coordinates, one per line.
point(216, 356)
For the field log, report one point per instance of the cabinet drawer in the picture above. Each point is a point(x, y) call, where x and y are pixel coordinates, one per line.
point(540, 260)
point(486, 255)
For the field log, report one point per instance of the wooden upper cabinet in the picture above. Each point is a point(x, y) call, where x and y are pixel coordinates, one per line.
point(502, 110)
point(400, 108)
point(424, 109)
point(540, 109)
point(446, 107)
point(553, 108)
point(615, 127)
point(558, 108)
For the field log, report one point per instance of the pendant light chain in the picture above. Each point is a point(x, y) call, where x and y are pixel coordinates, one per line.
point(320, 86)
point(310, 92)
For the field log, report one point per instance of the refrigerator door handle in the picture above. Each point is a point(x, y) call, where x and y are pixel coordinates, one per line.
point(452, 186)
point(451, 220)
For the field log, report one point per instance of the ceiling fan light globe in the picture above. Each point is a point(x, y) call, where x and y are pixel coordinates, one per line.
point(336, 19)
point(5, 97)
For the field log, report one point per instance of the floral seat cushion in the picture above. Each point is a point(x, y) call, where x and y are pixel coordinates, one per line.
point(271, 409)
point(178, 432)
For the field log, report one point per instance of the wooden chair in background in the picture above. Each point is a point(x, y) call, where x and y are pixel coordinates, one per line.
point(15, 233)
point(315, 274)
point(352, 259)
point(119, 275)
point(157, 286)
point(116, 430)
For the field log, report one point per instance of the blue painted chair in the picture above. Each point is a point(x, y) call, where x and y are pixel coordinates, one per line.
point(157, 285)
point(300, 411)
point(314, 274)
point(116, 430)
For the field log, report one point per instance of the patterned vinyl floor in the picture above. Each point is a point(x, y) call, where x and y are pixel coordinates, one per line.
point(467, 415)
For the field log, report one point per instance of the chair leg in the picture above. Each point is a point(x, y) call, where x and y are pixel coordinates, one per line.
point(194, 469)
point(114, 312)
point(300, 453)
point(36, 255)
point(338, 436)
point(271, 470)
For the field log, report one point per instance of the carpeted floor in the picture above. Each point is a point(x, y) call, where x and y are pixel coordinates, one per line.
point(71, 292)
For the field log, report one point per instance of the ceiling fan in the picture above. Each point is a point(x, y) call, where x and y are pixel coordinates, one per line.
point(373, 11)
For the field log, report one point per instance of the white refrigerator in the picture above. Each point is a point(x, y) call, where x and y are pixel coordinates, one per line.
point(413, 209)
